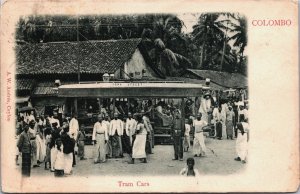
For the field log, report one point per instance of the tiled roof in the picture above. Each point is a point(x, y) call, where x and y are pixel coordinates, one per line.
point(47, 88)
point(225, 79)
point(25, 84)
point(63, 57)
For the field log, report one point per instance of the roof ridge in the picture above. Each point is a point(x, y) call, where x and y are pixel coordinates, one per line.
point(75, 42)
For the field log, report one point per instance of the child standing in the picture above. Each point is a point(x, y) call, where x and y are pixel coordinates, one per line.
point(186, 142)
point(48, 149)
point(59, 160)
point(80, 143)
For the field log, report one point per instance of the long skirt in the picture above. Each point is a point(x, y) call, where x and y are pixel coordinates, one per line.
point(53, 154)
point(100, 151)
point(242, 146)
point(204, 116)
point(224, 134)
point(40, 149)
point(178, 147)
point(33, 152)
point(199, 145)
point(108, 148)
point(229, 128)
point(48, 152)
point(81, 149)
point(126, 144)
point(219, 129)
point(139, 145)
point(186, 142)
point(152, 136)
point(68, 163)
point(149, 144)
point(26, 164)
point(116, 145)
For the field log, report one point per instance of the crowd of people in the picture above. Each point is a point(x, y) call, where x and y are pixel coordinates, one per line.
point(55, 142)
point(47, 141)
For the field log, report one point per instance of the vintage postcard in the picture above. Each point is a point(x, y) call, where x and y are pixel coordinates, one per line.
point(149, 96)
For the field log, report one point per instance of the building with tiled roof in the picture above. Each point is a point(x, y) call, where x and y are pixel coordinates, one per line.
point(224, 80)
point(88, 57)
point(39, 65)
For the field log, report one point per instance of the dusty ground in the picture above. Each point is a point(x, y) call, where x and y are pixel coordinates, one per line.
point(219, 160)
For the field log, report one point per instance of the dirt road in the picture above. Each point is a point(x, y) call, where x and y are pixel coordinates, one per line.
point(219, 160)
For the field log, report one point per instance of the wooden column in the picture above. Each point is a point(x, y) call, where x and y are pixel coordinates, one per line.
point(128, 106)
point(183, 113)
point(75, 106)
point(100, 104)
point(114, 106)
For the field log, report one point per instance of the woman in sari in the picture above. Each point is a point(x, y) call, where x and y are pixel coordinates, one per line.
point(139, 145)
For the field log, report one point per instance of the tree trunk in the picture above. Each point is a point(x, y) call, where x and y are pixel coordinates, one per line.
point(224, 46)
point(201, 56)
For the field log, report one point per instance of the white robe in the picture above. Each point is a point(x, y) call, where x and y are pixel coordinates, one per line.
point(130, 128)
point(100, 134)
point(139, 145)
point(242, 143)
point(41, 148)
point(74, 127)
point(199, 145)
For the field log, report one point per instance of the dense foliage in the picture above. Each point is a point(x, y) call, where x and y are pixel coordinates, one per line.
point(217, 41)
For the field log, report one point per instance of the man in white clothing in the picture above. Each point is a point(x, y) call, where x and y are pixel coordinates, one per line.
point(74, 127)
point(108, 149)
point(186, 141)
point(199, 147)
point(115, 133)
point(130, 127)
point(205, 106)
point(100, 136)
point(54, 119)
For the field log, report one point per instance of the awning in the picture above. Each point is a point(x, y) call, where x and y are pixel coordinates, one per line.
point(22, 99)
point(131, 89)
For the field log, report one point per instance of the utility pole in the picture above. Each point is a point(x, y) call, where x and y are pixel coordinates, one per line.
point(78, 63)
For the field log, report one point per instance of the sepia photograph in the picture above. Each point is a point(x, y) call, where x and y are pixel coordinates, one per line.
point(172, 96)
point(136, 94)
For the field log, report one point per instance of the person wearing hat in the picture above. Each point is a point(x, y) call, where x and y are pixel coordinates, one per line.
point(199, 148)
point(205, 106)
point(177, 135)
point(115, 133)
point(100, 137)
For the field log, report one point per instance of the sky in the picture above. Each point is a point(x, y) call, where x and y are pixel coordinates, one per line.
point(189, 19)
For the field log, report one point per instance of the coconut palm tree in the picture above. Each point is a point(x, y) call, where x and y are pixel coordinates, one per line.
point(208, 36)
point(240, 34)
